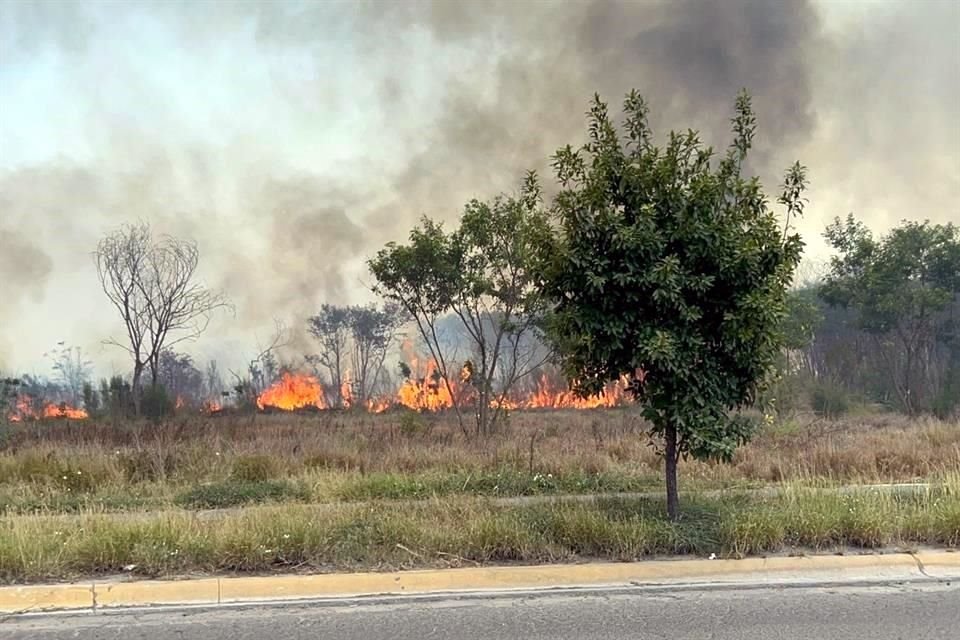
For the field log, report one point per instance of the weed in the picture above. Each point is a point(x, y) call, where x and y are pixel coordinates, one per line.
point(236, 493)
point(254, 468)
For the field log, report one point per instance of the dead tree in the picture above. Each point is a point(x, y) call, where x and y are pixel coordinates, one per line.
point(152, 284)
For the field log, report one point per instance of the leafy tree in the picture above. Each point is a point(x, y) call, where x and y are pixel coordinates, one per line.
point(484, 273)
point(91, 400)
point(116, 396)
point(902, 288)
point(180, 378)
point(672, 269)
point(9, 388)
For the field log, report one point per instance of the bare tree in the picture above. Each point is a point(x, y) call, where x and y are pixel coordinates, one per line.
point(372, 332)
point(331, 328)
point(72, 370)
point(152, 284)
point(263, 368)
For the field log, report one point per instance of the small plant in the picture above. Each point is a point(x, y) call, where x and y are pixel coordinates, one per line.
point(829, 400)
point(235, 493)
point(254, 468)
point(413, 424)
point(142, 465)
point(156, 403)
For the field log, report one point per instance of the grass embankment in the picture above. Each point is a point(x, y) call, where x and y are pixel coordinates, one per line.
point(203, 462)
point(468, 531)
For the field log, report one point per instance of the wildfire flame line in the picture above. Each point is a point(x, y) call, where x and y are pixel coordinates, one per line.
point(24, 410)
point(431, 393)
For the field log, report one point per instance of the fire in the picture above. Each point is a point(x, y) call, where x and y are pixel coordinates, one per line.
point(23, 410)
point(429, 393)
point(212, 406)
point(293, 391)
point(549, 396)
point(379, 405)
point(426, 390)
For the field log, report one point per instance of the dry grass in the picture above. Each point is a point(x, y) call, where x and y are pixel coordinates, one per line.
point(66, 467)
point(459, 531)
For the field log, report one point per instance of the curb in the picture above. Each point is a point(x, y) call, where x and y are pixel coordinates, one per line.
point(97, 596)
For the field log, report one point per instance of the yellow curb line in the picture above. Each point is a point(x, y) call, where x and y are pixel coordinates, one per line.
point(213, 591)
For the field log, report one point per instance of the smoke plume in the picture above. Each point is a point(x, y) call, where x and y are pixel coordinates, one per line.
point(292, 140)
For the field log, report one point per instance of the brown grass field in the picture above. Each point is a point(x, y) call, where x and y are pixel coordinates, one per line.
point(317, 492)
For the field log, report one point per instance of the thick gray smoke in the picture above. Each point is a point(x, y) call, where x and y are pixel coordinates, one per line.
point(292, 140)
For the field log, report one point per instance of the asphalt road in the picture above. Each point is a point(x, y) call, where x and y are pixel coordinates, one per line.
point(917, 611)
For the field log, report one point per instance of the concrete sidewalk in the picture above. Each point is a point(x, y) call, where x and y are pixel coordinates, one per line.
point(678, 573)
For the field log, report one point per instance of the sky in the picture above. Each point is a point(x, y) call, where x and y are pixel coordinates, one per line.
point(291, 140)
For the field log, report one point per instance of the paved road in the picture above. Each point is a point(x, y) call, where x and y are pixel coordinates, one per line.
point(918, 611)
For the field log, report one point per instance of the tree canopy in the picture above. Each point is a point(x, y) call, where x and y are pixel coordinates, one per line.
point(902, 288)
point(484, 273)
point(672, 269)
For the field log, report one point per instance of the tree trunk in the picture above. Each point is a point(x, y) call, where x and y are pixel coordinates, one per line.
point(670, 464)
point(135, 387)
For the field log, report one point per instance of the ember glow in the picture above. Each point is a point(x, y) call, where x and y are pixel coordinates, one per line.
point(293, 391)
point(24, 410)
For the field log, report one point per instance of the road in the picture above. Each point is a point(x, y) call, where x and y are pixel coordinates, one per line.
point(914, 611)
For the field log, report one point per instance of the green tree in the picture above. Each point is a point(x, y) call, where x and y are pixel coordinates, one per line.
point(484, 273)
point(903, 288)
point(673, 269)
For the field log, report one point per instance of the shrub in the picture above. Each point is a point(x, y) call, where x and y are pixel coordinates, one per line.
point(412, 424)
point(156, 403)
point(234, 493)
point(142, 465)
point(829, 400)
point(254, 468)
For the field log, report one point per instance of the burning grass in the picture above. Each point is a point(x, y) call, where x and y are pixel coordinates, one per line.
point(26, 408)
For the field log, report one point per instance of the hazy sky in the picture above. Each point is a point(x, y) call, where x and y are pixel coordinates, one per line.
point(292, 139)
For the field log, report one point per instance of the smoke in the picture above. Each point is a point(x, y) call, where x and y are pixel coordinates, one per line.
point(292, 140)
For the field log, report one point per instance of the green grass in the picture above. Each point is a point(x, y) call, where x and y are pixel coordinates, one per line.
point(235, 493)
point(502, 483)
point(468, 531)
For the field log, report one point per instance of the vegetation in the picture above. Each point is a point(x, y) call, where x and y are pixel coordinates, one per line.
point(674, 272)
point(467, 532)
point(152, 284)
point(324, 458)
point(355, 339)
point(661, 268)
point(484, 273)
point(904, 290)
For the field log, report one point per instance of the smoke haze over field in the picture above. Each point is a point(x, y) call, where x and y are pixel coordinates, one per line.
point(291, 140)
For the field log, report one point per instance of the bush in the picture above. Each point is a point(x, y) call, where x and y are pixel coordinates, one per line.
point(254, 468)
point(222, 495)
point(156, 403)
point(413, 424)
point(829, 400)
point(142, 465)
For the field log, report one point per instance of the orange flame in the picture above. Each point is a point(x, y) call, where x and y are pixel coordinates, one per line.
point(429, 393)
point(293, 391)
point(549, 396)
point(23, 410)
point(212, 406)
